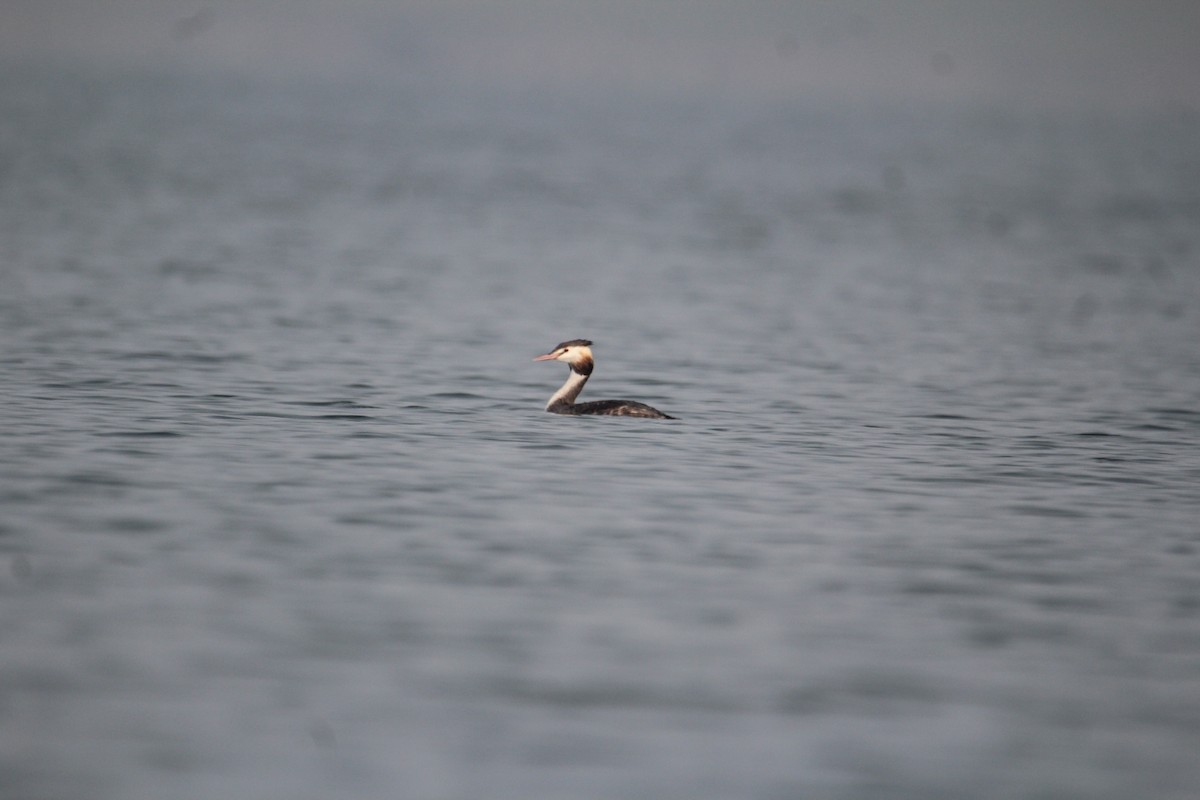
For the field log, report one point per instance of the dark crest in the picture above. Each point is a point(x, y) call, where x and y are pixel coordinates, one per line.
point(574, 343)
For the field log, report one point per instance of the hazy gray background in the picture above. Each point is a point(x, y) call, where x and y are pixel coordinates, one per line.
point(1082, 54)
point(281, 515)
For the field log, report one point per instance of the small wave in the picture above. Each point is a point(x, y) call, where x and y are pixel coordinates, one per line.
point(327, 404)
point(167, 355)
point(142, 434)
point(1036, 510)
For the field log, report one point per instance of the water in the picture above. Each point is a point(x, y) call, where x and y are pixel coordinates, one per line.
point(283, 517)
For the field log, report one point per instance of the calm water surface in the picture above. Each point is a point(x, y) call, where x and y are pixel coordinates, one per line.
point(282, 515)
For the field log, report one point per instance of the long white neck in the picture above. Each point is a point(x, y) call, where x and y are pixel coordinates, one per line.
point(569, 391)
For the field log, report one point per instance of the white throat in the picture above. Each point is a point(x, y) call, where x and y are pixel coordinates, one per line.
point(569, 391)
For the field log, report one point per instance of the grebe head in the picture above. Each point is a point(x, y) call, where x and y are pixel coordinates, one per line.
point(576, 352)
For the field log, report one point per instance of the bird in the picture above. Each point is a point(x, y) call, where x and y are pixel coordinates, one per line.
point(577, 354)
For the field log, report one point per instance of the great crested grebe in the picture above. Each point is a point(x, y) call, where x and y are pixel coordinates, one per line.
point(577, 354)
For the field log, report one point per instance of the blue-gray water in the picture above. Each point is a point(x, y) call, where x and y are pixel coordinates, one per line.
point(282, 516)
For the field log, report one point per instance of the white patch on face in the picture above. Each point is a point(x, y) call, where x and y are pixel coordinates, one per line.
point(575, 354)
